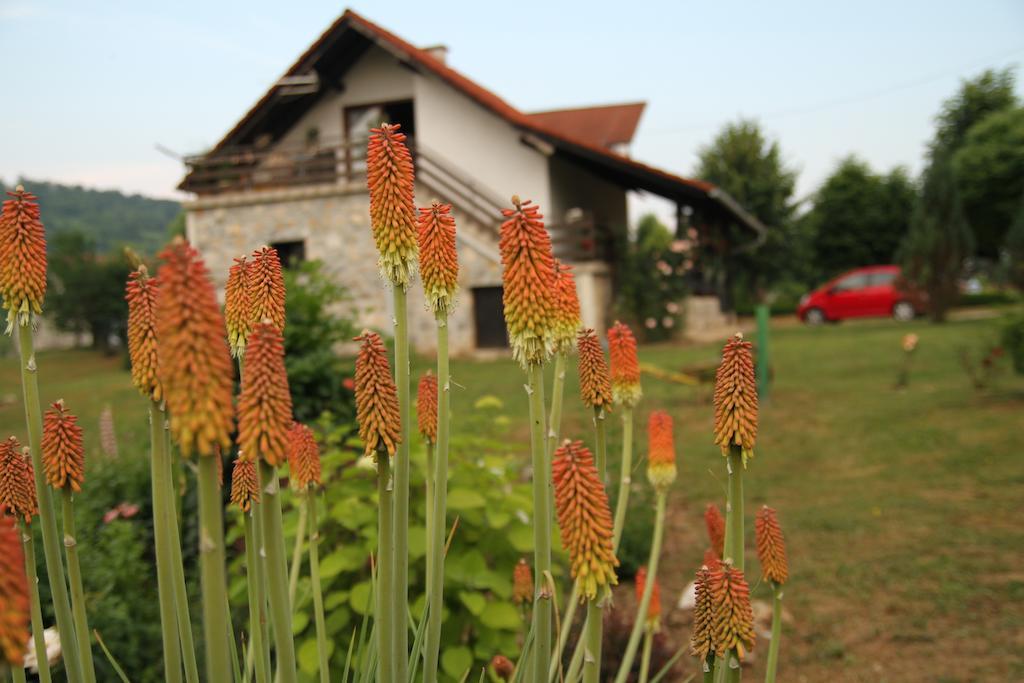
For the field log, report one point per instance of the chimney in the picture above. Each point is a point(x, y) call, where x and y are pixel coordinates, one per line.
point(438, 52)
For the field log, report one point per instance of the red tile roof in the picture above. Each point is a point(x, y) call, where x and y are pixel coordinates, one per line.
point(604, 126)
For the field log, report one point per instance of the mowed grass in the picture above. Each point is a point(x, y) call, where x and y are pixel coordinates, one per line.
point(901, 508)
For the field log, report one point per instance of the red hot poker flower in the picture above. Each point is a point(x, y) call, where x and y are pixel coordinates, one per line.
point(265, 406)
point(584, 519)
point(522, 583)
point(661, 451)
point(736, 399)
point(390, 177)
point(22, 258)
point(426, 407)
point(439, 261)
point(503, 667)
point(376, 397)
point(653, 620)
point(715, 524)
point(238, 314)
point(245, 484)
point(566, 321)
point(63, 454)
point(265, 288)
point(303, 457)
point(17, 483)
point(14, 605)
point(195, 366)
point(732, 616)
point(529, 283)
point(702, 641)
point(771, 547)
point(595, 387)
point(141, 293)
point(625, 366)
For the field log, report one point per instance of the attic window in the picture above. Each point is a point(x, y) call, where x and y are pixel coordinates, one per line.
point(290, 253)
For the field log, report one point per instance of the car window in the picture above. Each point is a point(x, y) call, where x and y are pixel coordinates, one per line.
point(882, 278)
point(852, 282)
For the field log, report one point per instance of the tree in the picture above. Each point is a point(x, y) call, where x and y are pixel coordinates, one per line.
point(859, 217)
point(744, 163)
point(939, 241)
point(990, 167)
point(990, 92)
point(652, 279)
point(1014, 247)
point(86, 289)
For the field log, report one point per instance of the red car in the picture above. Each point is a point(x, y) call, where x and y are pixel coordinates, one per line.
point(872, 291)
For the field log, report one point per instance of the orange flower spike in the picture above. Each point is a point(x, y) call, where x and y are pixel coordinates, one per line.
point(439, 262)
point(584, 519)
point(653, 620)
point(22, 258)
point(522, 583)
point(238, 314)
point(376, 397)
point(17, 483)
point(141, 293)
point(14, 603)
point(245, 484)
point(625, 366)
point(661, 451)
point(736, 399)
point(503, 667)
point(390, 177)
point(771, 547)
point(426, 406)
point(566, 321)
point(702, 642)
point(265, 406)
point(265, 287)
point(595, 387)
point(715, 524)
point(63, 454)
point(528, 276)
point(732, 616)
point(303, 457)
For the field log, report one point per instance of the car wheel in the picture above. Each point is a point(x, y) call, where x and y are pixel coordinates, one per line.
point(903, 311)
point(814, 317)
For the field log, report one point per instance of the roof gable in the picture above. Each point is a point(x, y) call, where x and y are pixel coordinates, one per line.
point(603, 126)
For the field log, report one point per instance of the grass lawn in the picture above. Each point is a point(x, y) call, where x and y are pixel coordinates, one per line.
point(900, 508)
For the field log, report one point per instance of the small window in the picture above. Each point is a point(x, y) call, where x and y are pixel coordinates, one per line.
point(489, 318)
point(290, 253)
point(852, 282)
point(883, 278)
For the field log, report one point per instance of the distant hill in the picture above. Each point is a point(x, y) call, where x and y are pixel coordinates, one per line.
point(110, 218)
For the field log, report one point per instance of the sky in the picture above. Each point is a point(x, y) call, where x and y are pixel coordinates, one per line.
point(92, 91)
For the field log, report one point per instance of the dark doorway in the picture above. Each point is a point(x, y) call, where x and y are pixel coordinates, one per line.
point(291, 253)
point(489, 318)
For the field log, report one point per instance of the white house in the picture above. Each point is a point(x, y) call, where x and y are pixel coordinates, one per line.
point(291, 173)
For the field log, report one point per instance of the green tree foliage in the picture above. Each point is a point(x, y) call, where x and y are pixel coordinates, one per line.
point(939, 240)
point(859, 217)
point(745, 163)
point(86, 289)
point(990, 168)
point(652, 279)
point(1014, 247)
point(314, 328)
point(990, 92)
point(109, 218)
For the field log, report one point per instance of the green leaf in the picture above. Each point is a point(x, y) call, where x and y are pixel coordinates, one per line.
point(501, 615)
point(309, 659)
point(299, 622)
point(474, 602)
point(417, 542)
point(497, 519)
point(465, 499)
point(456, 660)
point(521, 538)
point(359, 598)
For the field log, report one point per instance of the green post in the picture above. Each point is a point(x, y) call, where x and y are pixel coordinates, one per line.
point(763, 354)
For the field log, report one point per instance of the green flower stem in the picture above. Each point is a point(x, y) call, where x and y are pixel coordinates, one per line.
point(47, 515)
point(601, 445)
point(542, 608)
point(554, 430)
point(162, 488)
point(77, 593)
point(385, 573)
point(645, 600)
point(428, 502)
point(318, 596)
point(592, 658)
point(773, 646)
point(28, 545)
point(211, 571)
point(625, 479)
point(645, 656)
point(18, 674)
point(734, 546)
point(276, 574)
point(400, 609)
point(296, 566)
point(257, 644)
point(171, 515)
point(439, 514)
